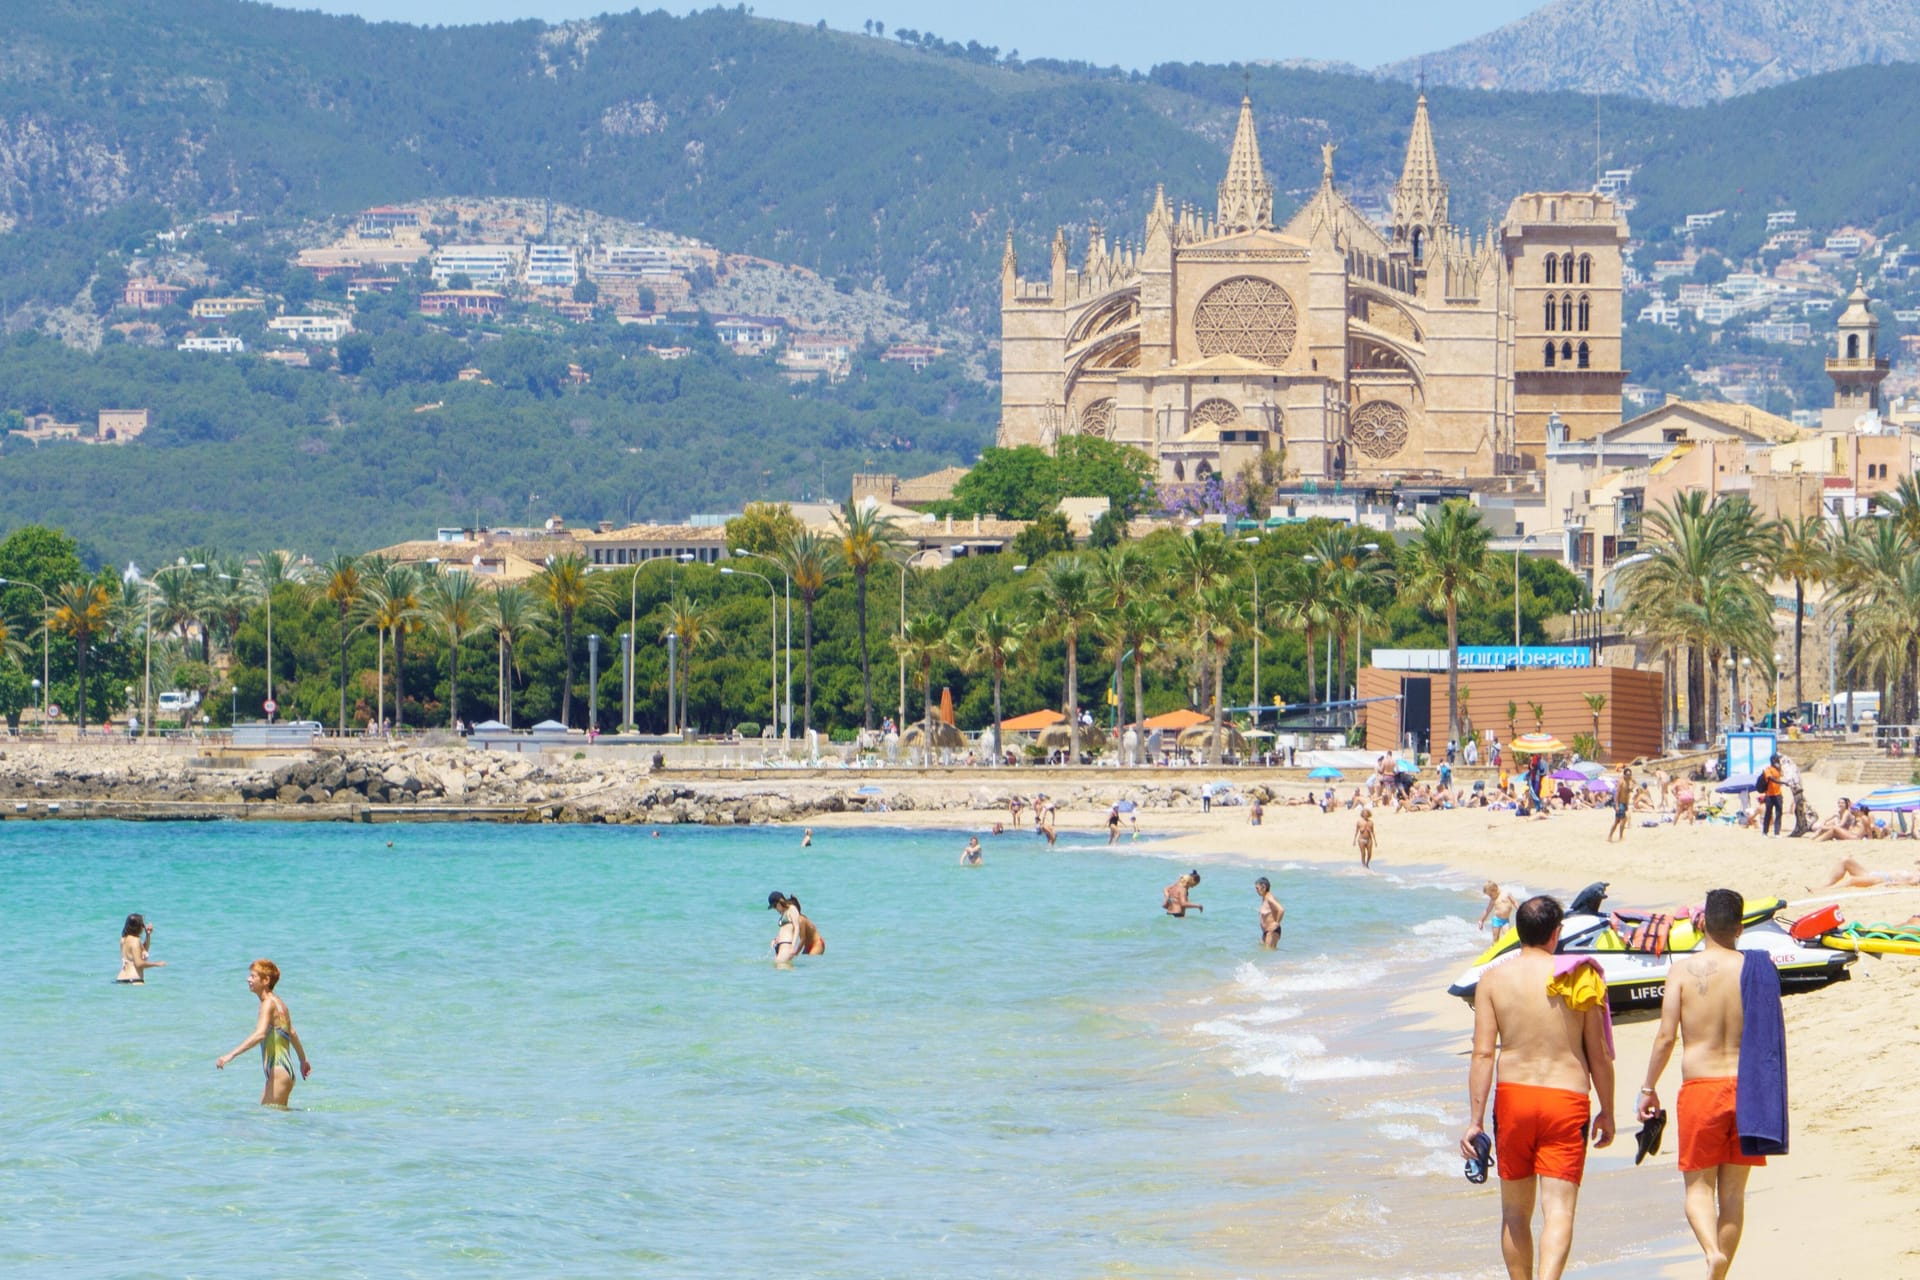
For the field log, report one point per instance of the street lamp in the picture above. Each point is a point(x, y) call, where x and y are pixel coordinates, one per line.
point(593, 683)
point(788, 575)
point(633, 626)
point(147, 698)
point(773, 637)
point(1254, 541)
point(45, 682)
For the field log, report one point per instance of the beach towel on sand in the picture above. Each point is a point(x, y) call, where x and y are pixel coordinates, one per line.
point(1760, 1105)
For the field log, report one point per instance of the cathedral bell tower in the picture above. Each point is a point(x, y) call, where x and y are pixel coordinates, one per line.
point(1856, 366)
point(1420, 197)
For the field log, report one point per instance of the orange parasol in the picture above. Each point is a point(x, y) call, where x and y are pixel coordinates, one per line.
point(1032, 722)
point(1176, 720)
point(946, 704)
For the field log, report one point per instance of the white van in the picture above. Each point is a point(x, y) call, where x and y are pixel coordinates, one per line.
point(174, 702)
point(1866, 707)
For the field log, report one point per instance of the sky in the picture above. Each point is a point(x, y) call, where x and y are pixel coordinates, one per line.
point(1135, 34)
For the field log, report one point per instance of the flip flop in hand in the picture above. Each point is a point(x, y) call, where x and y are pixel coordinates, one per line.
point(1476, 1169)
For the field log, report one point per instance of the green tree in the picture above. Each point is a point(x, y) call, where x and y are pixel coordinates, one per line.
point(763, 528)
point(992, 639)
point(809, 561)
point(514, 617)
point(692, 627)
point(342, 585)
point(1446, 563)
point(866, 540)
point(83, 612)
point(455, 606)
point(1068, 602)
point(1218, 617)
point(1094, 467)
point(1048, 533)
point(1801, 555)
point(566, 587)
point(923, 643)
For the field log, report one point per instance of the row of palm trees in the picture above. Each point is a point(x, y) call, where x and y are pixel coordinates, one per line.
point(1703, 594)
point(1124, 604)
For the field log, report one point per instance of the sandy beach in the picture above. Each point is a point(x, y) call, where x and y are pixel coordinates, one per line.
point(1840, 1202)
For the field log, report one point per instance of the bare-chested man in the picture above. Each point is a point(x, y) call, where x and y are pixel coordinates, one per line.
point(1548, 1054)
point(1702, 1007)
point(1272, 914)
point(1176, 902)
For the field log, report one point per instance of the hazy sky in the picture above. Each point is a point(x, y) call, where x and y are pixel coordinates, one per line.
point(1131, 33)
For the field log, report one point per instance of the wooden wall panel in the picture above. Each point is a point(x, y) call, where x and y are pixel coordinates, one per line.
point(1629, 724)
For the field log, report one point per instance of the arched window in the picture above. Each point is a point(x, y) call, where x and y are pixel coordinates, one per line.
point(1179, 471)
point(1566, 312)
point(1566, 267)
point(1550, 313)
point(1586, 268)
point(1419, 245)
point(1550, 355)
point(1553, 269)
point(1853, 346)
point(1585, 356)
point(1202, 471)
point(1566, 352)
point(1586, 312)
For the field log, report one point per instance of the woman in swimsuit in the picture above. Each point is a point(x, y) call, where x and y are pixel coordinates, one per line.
point(136, 936)
point(970, 856)
point(1174, 902)
point(274, 1033)
point(1683, 802)
point(1852, 875)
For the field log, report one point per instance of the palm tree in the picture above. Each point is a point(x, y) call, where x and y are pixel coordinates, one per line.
point(1903, 505)
point(1347, 575)
point(222, 604)
point(993, 639)
point(1126, 576)
point(1801, 555)
point(1218, 617)
point(1596, 703)
point(1870, 573)
point(1206, 556)
point(810, 561)
point(392, 606)
point(923, 643)
point(514, 616)
point(1445, 564)
point(456, 607)
point(343, 586)
point(83, 611)
point(691, 625)
point(12, 645)
point(866, 540)
point(1146, 626)
point(1700, 589)
point(1069, 606)
point(1299, 605)
point(565, 587)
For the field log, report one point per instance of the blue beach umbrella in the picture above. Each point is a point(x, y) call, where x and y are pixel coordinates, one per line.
point(1126, 806)
point(1889, 799)
point(1327, 772)
point(1738, 785)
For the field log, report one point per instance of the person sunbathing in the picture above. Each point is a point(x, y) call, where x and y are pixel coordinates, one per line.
point(1851, 874)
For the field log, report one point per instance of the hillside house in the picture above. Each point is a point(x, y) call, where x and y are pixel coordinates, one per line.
point(222, 308)
point(471, 304)
point(144, 293)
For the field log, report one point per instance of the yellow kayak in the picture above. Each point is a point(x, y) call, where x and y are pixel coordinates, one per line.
point(1875, 939)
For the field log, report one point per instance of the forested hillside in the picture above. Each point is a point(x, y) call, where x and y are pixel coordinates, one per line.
point(869, 159)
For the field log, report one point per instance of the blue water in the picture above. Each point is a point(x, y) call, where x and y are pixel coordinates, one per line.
point(564, 1050)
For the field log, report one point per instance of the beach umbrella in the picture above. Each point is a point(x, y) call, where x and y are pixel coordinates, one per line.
point(1588, 768)
point(1326, 772)
point(1200, 738)
point(1889, 799)
point(1537, 744)
point(1256, 733)
point(1176, 720)
point(1126, 806)
point(868, 790)
point(1600, 784)
point(1569, 775)
point(1738, 785)
point(946, 704)
point(1406, 766)
point(1054, 737)
point(1032, 722)
point(944, 735)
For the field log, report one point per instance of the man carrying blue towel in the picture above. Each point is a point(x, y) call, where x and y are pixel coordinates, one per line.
point(1725, 1005)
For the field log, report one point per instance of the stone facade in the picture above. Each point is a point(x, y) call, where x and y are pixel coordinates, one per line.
point(1423, 349)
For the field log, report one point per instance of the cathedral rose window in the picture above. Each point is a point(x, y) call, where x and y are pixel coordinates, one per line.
point(1215, 413)
point(1378, 428)
point(1246, 317)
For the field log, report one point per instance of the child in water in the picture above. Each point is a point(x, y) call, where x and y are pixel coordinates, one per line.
point(1363, 837)
point(275, 1035)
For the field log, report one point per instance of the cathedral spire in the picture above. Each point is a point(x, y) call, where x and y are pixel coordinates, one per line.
point(1246, 197)
point(1420, 197)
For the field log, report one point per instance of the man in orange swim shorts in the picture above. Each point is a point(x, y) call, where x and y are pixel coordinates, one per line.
point(1548, 1055)
point(1702, 1006)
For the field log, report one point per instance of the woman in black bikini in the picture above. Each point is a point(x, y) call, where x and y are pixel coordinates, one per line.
point(136, 936)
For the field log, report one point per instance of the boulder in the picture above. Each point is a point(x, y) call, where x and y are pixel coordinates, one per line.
point(303, 774)
point(288, 794)
point(397, 776)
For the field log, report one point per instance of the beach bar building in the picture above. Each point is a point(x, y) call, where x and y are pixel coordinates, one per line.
point(1415, 702)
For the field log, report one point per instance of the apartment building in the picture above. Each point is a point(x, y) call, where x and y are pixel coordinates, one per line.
point(221, 308)
point(552, 266)
point(220, 345)
point(472, 304)
point(479, 263)
point(311, 328)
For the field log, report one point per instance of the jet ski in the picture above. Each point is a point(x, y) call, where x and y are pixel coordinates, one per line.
point(1635, 950)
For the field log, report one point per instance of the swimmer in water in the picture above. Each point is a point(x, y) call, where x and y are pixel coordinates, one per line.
point(274, 1033)
point(806, 840)
point(970, 856)
point(1176, 902)
point(136, 937)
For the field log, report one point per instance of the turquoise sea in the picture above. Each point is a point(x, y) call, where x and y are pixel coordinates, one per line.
point(564, 1051)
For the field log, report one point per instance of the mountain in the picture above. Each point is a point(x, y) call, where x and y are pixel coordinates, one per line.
point(1679, 51)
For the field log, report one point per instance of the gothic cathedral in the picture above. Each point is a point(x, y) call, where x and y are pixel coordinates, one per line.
point(1421, 351)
